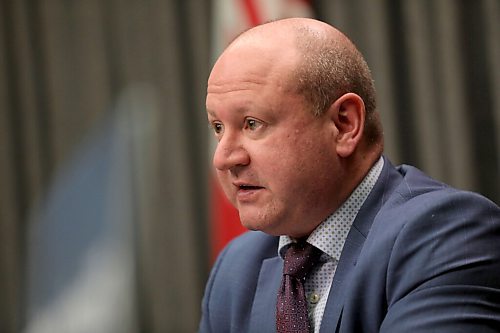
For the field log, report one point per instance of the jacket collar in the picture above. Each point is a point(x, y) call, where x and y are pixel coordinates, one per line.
point(388, 180)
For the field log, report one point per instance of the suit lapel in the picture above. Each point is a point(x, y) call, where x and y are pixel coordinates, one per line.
point(388, 180)
point(347, 262)
point(263, 317)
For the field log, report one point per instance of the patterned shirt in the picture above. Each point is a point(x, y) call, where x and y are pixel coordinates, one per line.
point(330, 237)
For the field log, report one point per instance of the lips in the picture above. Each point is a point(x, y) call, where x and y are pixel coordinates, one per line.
point(247, 192)
point(245, 187)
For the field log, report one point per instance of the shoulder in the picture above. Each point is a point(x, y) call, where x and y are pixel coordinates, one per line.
point(232, 282)
point(427, 247)
point(243, 256)
point(405, 197)
point(424, 198)
point(437, 215)
point(443, 251)
point(440, 235)
point(417, 194)
point(253, 243)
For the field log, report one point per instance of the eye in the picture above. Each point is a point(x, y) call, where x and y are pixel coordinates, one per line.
point(252, 124)
point(217, 127)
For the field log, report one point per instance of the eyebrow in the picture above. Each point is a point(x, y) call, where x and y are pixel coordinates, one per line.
point(242, 110)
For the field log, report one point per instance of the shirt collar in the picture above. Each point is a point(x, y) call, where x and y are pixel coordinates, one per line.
point(343, 217)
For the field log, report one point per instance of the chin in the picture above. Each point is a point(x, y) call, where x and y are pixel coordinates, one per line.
point(248, 224)
point(252, 224)
point(259, 226)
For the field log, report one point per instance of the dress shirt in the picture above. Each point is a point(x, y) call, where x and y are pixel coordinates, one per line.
point(330, 237)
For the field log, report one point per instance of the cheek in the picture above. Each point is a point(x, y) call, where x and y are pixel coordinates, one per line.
point(288, 167)
point(303, 166)
point(274, 162)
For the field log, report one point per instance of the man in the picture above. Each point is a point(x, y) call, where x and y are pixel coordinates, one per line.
point(299, 154)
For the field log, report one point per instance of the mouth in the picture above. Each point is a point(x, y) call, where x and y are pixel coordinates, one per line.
point(245, 187)
point(247, 192)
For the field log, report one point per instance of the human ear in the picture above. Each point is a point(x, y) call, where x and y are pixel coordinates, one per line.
point(348, 115)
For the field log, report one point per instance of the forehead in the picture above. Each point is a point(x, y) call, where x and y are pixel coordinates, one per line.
point(253, 62)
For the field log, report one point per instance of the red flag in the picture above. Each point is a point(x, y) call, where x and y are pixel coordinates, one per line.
point(231, 17)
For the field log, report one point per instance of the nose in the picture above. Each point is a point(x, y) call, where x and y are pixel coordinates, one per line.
point(229, 154)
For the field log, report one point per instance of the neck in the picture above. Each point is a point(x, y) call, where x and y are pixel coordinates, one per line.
point(356, 168)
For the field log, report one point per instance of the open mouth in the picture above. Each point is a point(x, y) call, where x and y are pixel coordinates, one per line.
point(249, 187)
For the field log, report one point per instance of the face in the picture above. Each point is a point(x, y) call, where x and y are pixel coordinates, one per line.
point(275, 160)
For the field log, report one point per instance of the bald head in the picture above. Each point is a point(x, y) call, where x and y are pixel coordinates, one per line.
point(323, 64)
point(289, 28)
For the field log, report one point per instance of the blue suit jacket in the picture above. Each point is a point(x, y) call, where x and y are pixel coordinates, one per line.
point(420, 257)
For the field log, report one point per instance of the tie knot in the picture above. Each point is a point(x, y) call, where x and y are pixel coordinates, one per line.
point(300, 259)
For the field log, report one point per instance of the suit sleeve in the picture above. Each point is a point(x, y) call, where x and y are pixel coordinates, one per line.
point(444, 270)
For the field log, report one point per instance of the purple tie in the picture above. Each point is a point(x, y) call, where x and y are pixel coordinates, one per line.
point(291, 307)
